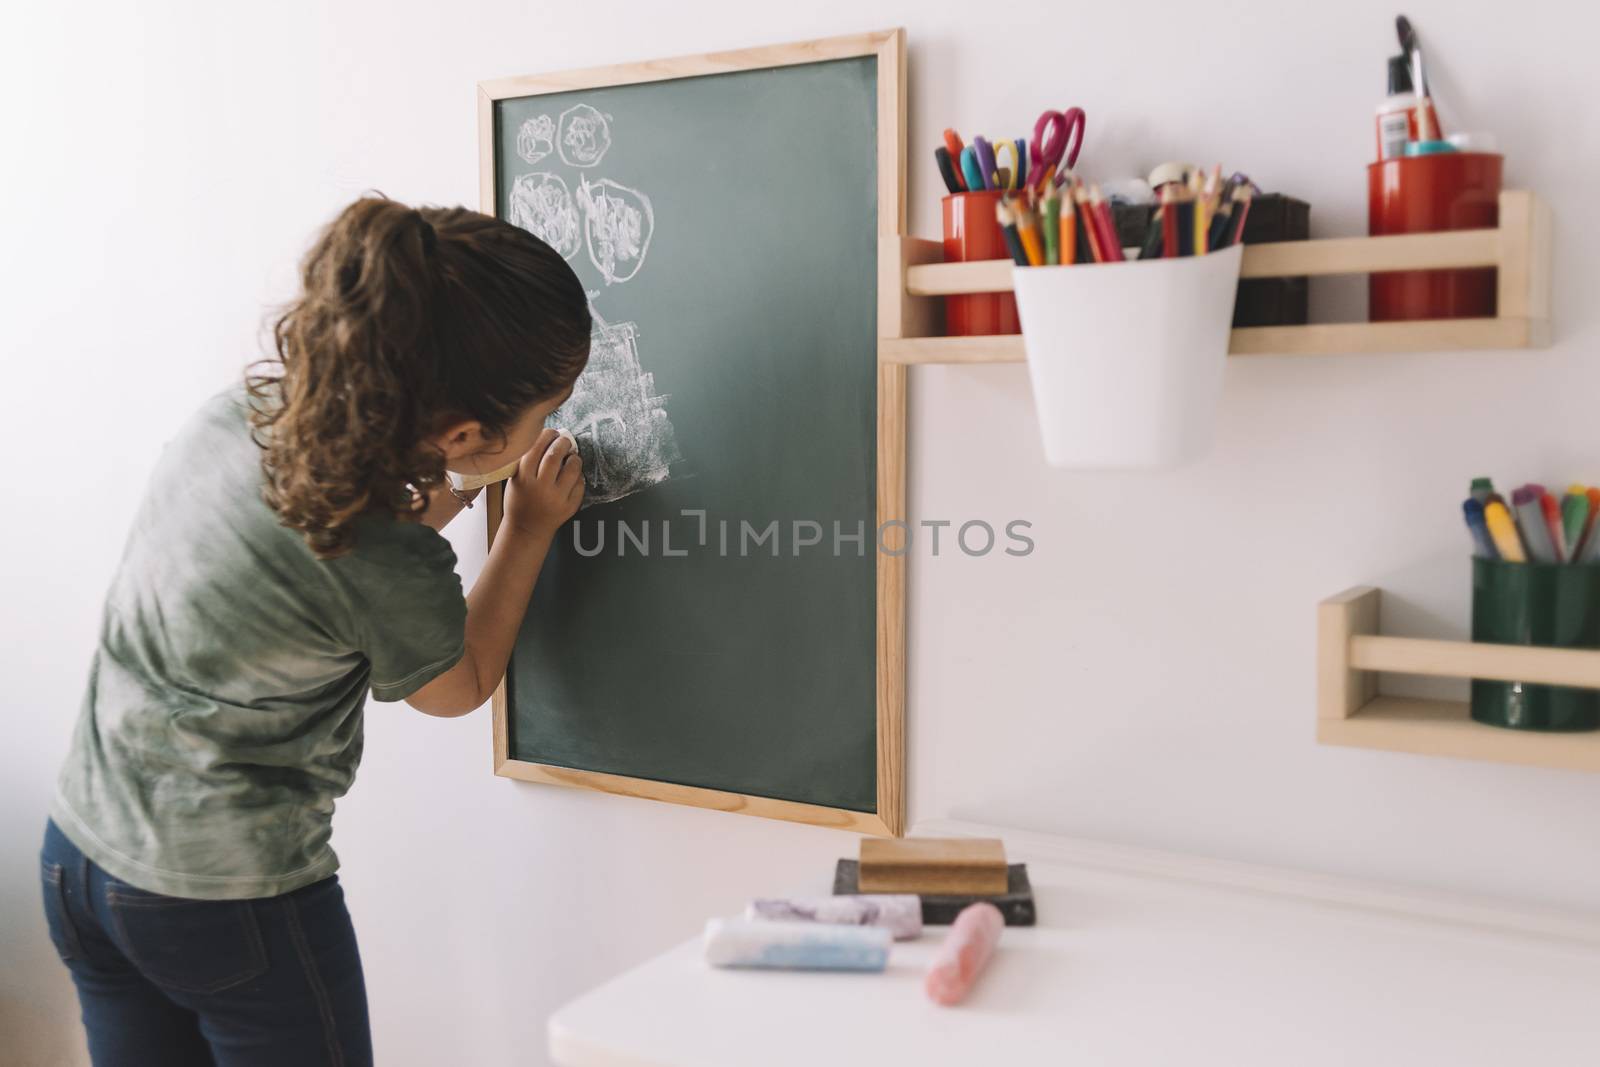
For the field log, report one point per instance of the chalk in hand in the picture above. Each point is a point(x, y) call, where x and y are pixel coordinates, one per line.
point(964, 953)
point(900, 914)
point(796, 945)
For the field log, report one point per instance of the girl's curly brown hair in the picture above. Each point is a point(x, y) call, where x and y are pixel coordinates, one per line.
point(408, 319)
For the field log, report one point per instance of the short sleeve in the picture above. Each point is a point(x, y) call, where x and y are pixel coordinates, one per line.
point(411, 615)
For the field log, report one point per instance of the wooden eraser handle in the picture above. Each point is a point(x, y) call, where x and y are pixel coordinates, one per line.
point(470, 482)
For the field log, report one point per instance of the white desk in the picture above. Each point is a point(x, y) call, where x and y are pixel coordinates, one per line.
point(1144, 958)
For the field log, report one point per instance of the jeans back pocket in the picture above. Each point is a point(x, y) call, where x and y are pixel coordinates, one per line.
point(62, 933)
point(190, 946)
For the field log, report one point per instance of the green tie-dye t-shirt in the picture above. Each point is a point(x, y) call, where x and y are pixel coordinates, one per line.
point(224, 706)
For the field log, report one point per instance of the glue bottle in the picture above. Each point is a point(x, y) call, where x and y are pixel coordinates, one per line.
point(1397, 112)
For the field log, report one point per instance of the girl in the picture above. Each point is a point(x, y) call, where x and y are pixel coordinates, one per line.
point(286, 559)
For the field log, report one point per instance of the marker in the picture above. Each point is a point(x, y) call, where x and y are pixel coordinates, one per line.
point(952, 143)
point(947, 170)
point(1590, 552)
point(1482, 543)
point(1503, 531)
point(983, 152)
point(1482, 489)
point(971, 171)
point(1575, 518)
point(1552, 521)
point(1531, 522)
point(1588, 527)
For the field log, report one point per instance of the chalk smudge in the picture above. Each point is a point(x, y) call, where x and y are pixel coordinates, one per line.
point(585, 136)
point(542, 205)
point(535, 139)
point(624, 436)
point(618, 223)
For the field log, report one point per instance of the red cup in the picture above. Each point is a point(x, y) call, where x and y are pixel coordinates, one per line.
point(1427, 194)
point(971, 232)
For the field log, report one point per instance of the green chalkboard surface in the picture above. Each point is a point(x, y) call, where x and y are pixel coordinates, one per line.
point(708, 620)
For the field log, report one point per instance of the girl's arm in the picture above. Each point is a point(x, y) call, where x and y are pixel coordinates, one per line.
point(543, 494)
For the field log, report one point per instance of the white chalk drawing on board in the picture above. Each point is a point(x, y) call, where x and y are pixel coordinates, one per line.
point(542, 205)
point(618, 223)
point(585, 136)
point(536, 138)
point(624, 437)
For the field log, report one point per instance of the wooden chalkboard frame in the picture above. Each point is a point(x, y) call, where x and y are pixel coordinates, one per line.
point(889, 49)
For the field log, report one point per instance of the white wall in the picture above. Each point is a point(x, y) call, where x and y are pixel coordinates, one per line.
point(1145, 676)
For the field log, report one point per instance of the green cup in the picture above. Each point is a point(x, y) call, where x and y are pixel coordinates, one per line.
point(1551, 604)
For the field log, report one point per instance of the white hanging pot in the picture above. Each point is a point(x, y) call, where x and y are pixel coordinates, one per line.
point(1127, 358)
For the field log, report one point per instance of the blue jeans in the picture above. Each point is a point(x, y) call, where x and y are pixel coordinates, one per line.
point(171, 982)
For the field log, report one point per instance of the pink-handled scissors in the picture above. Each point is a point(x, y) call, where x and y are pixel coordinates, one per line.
point(1051, 136)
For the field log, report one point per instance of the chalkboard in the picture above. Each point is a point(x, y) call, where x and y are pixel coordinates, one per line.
point(710, 629)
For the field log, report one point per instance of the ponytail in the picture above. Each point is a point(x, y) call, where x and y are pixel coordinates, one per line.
point(407, 320)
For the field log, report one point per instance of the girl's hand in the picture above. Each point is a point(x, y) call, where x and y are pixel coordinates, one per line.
point(548, 486)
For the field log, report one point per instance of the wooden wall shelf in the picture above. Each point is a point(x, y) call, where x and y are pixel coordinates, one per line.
point(1519, 248)
point(1351, 653)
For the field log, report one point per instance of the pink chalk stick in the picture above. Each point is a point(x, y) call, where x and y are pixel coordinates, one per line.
point(964, 953)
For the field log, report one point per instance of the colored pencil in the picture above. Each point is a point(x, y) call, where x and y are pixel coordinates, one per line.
point(1028, 230)
point(1110, 241)
point(1243, 212)
point(1151, 248)
point(1169, 223)
point(1052, 228)
point(1217, 232)
point(1069, 231)
point(1008, 229)
point(1086, 221)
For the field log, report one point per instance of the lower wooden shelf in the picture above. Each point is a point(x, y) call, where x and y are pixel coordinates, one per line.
point(1351, 653)
point(1445, 728)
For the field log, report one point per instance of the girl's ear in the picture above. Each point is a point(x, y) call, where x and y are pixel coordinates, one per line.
point(460, 439)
